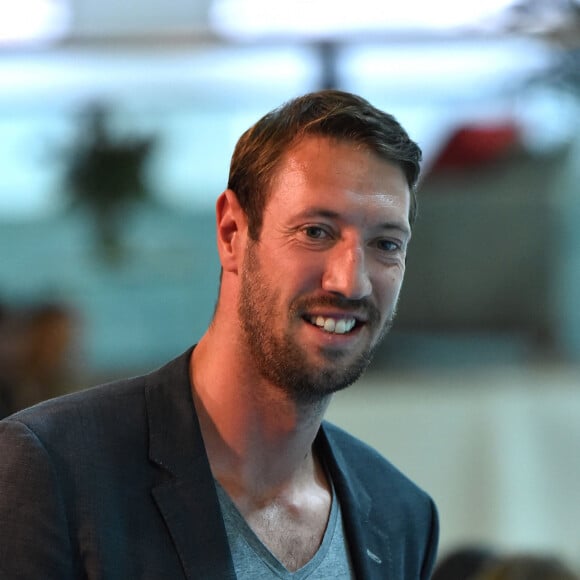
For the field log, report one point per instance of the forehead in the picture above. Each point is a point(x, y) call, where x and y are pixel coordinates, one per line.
point(341, 176)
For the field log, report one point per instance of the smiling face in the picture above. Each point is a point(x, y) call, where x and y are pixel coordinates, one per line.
point(320, 287)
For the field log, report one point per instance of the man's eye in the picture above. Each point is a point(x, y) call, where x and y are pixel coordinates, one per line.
point(388, 245)
point(315, 232)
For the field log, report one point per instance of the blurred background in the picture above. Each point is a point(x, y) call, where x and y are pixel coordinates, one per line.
point(117, 123)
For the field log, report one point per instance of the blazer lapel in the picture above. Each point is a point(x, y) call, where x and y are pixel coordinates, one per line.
point(185, 494)
point(368, 544)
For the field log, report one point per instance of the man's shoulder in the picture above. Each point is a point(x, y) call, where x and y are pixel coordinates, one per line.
point(354, 449)
point(401, 513)
point(83, 408)
point(366, 464)
point(101, 404)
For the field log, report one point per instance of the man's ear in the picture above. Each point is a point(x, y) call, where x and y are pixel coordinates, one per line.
point(232, 227)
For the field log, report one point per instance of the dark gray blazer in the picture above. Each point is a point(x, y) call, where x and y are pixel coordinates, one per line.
point(114, 483)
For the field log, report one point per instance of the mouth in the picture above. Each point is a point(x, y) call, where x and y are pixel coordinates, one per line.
point(334, 325)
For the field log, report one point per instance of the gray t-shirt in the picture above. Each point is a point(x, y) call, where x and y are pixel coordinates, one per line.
point(253, 560)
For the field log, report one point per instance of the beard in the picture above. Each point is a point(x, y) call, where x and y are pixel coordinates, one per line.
point(279, 358)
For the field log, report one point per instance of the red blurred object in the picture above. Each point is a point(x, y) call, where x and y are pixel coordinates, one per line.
point(474, 145)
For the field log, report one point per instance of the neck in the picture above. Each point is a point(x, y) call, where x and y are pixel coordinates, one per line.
point(259, 441)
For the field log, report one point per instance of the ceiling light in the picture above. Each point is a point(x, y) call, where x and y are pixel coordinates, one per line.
point(326, 18)
point(33, 21)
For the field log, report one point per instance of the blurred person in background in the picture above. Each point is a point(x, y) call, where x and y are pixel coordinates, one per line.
point(527, 566)
point(463, 563)
point(220, 464)
point(36, 353)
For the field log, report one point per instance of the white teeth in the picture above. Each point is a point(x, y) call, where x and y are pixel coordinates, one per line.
point(340, 326)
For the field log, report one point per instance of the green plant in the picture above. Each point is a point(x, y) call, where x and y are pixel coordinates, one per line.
point(105, 174)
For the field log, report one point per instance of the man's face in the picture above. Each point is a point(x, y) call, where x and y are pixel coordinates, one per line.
point(320, 287)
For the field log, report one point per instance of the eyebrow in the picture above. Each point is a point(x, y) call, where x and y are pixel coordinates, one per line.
point(328, 213)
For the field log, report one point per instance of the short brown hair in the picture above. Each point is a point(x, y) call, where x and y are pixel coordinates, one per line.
point(328, 113)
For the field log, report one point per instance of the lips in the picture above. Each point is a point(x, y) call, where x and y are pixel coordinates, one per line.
point(333, 325)
point(336, 315)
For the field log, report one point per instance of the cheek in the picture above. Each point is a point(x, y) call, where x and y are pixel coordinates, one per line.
point(388, 286)
point(302, 273)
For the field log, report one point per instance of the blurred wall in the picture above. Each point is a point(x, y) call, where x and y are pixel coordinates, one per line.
point(494, 269)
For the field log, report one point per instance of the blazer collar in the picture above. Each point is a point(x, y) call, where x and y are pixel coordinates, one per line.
point(188, 501)
point(185, 494)
point(368, 542)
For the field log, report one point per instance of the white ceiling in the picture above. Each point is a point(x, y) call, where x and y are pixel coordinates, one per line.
point(150, 18)
point(29, 23)
point(171, 22)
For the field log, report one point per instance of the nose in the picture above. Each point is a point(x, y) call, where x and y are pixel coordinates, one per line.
point(346, 272)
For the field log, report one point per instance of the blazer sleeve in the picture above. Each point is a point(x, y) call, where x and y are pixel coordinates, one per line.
point(34, 538)
point(433, 543)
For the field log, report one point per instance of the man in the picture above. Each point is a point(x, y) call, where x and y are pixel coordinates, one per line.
point(220, 465)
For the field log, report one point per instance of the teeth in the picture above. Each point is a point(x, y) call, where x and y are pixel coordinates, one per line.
point(340, 326)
